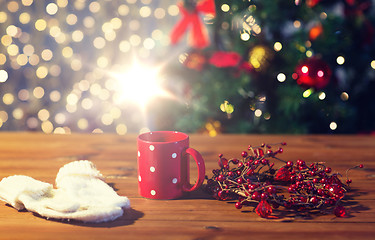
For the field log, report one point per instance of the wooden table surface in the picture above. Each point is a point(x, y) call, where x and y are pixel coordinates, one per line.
point(195, 216)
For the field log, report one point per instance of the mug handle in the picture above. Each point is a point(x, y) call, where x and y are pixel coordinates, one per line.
point(201, 169)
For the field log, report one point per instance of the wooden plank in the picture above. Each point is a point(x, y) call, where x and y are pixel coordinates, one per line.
point(195, 216)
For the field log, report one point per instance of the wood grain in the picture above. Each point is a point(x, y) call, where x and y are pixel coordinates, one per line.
point(196, 215)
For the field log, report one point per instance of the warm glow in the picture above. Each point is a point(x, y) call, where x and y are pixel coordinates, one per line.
point(277, 46)
point(340, 60)
point(140, 84)
point(281, 77)
point(225, 7)
point(322, 95)
point(320, 73)
point(307, 93)
point(304, 69)
point(333, 126)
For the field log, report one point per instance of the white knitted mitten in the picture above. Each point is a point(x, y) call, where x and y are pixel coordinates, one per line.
point(80, 194)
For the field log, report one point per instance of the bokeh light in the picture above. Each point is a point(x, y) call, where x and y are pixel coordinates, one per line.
point(225, 7)
point(340, 60)
point(333, 126)
point(322, 95)
point(281, 77)
point(58, 58)
point(3, 75)
point(277, 46)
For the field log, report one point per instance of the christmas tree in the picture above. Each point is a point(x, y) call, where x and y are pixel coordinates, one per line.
point(310, 68)
point(259, 66)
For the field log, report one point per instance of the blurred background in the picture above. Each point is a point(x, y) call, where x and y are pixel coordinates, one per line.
point(223, 66)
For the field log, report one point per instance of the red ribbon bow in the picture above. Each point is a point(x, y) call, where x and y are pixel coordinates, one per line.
point(199, 36)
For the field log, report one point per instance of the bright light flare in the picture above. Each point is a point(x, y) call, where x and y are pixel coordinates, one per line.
point(140, 84)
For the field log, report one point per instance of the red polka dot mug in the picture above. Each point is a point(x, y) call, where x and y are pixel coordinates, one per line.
point(163, 165)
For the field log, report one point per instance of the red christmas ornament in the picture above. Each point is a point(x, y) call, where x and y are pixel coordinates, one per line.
point(223, 59)
point(190, 19)
point(263, 209)
point(340, 211)
point(315, 31)
point(313, 72)
point(312, 3)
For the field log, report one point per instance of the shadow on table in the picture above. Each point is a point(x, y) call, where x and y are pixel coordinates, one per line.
point(198, 194)
point(130, 217)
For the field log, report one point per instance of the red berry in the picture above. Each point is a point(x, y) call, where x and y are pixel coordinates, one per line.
point(271, 190)
point(336, 191)
point(320, 192)
point(280, 150)
point(349, 181)
point(289, 164)
point(222, 162)
point(244, 154)
point(255, 196)
point(235, 161)
point(264, 196)
point(269, 151)
point(314, 200)
point(293, 178)
point(300, 177)
point(265, 161)
point(328, 170)
point(221, 194)
point(250, 172)
point(221, 178)
point(301, 163)
point(322, 174)
point(360, 166)
point(259, 152)
point(238, 205)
